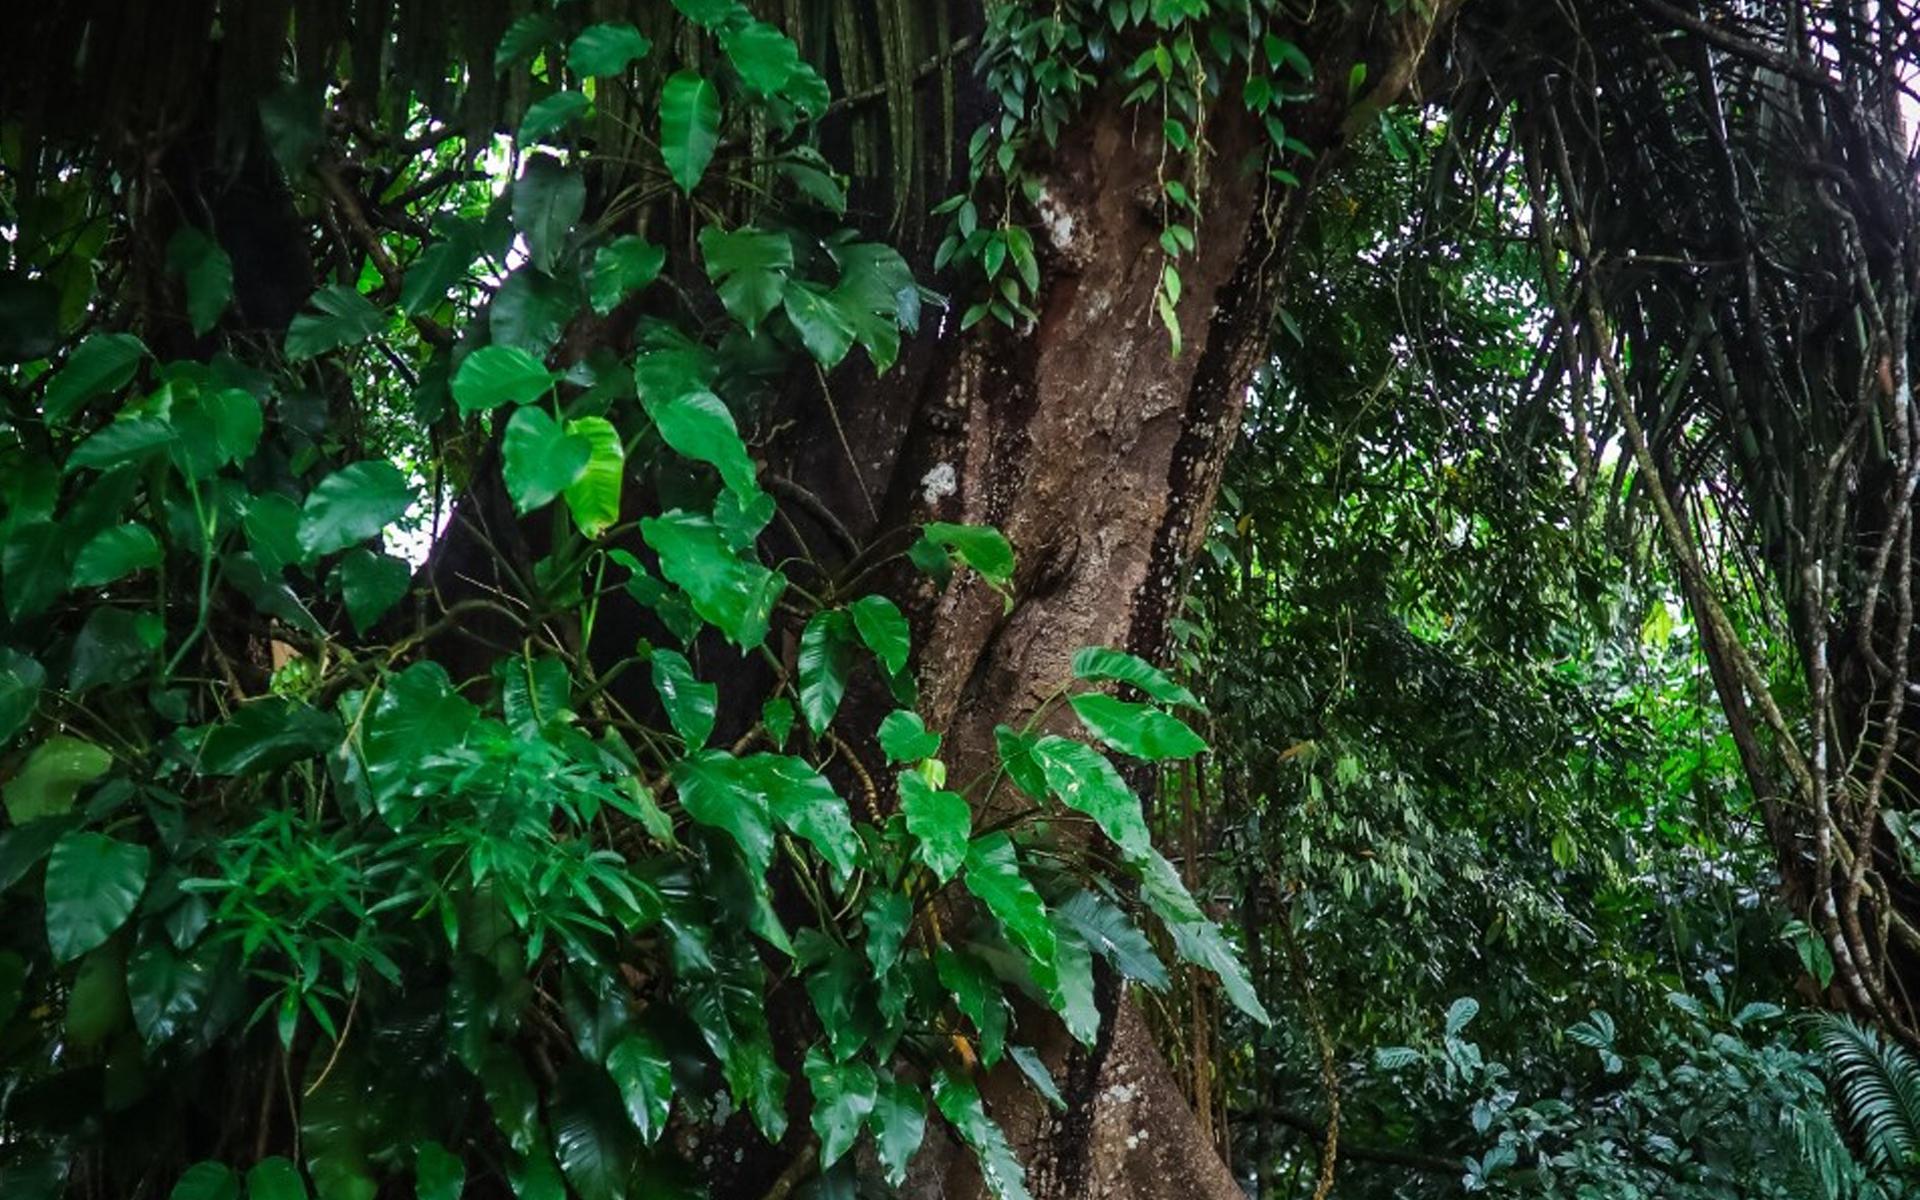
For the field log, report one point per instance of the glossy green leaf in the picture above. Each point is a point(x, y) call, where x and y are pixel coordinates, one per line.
point(551, 113)
point(594, 498)
point(1098, 664)
point(115, 646)
point(826, 329)
point(166, 989)
point(93, 882)
point(689, 127)
point(698, 425)
point(983, 548)
point(548, 200)
point(496, 375)
point(33, 568)
point(993, 875)
point(1016, 754)
point(352, 505)
point(102, 364)
point(905, 738)
point(525, 38)
point(52, 777)
point(1108, 932)
point(748, 268)
point(1084, 779)
point(268, 733)
point(823, 664)
point(713, 792)
point(275, 1178)
point(23, 847)
point(899, 1124)
point(606, 49)
point(641, 1070)
point(959, 1102)
point(884, 629)
point(734, 593)
point(207, 1181)
point(115, 553)
point(592, 1140)
point(624, 266)
point(539, 459)
point(530, 311)
point(1070, 991)
point(802, 800)
point(1137, 729)
point(843, 1099)
point(336, 317)
point(21, 678)
point(1037, 1074)
point(690, 704)
point(438, 1173)
point(1202, 944)
point(207, 272)
point(440, 266)
point(128, 439)
point(940, 822)
point(765, 58)
point(976, 993)
point(370, 585)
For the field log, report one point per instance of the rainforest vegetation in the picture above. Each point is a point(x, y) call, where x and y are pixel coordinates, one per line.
point(1034, 599)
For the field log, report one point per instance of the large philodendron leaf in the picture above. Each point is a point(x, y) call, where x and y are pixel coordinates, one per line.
point(352, 505)
point(843, 1099)
point(540, 459)
point(749, 269)
point(731, 591)
point(93, 882)
point(496, 375)
point(689, 127)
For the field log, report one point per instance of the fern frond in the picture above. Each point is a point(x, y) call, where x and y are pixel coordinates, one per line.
point(1878, 1083)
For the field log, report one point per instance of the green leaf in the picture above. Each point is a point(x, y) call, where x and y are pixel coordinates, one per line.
point(757, 1082)
point(591, 1138)
point(713, 793)
point(690, 704)
point(1070, 991)
point(124, 440)
point(524, 39)
point(548, 199)
point(698, 425)
point(843, 1099)
point(370, 584)
point(976, 993)
point(1104, 926)
point(623, 266)
point(114, 646)
point(496, 375)
point(803, 801)
point(97, 1004)
point(352, 505)
point(93, 882)
point(823, 666)
point(540, 460)
point(439, 267)
point(887, 917)
point(166, 989)
point(29, 318)
point(764, 57)
point(1097, 664)
point(1202, 944)
point(959, 1102)
point(981, 547)
point(606, 49)
point(905, 738)
point(33, 568)
point(337, 316)
point(884, 629)
point(267, 734)
point(208, 274)
point(291, 117)
point(55, 772)
point(115, 553)
point(550, 113)
point(1084, 779)
point(530, 311)
point(237, 422)
point(1137, 729)
point(275, 1178)
point(639, 1067)
point(101, 364)
point(939, 820)
point(1037, 1074)
point(993, 875)
point(438, 1173)
point(708, 14)
point(24, 846)
point(736, 595)
point(748, 268)
point(825, 328)
point(594, 498)
point(21, 678)
point(689, 127)
point(207, 1181)
point(899, 1124)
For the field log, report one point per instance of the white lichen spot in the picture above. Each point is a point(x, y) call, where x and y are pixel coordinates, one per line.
point(939, 483)
point(1057, 221)
point(1133, 1141)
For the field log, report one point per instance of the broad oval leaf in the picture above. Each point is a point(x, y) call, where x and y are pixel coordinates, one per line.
point(337, 316)
point(548, 199)
point(689, 127)
point(93, 882)
point(883, 628)
point(101, 364)
point(606, 49)
point(275, 1178)
point(940, 822)
point(207, 1181)
point(539, 459)
point(52, 777)
point(623, 266)
point(496, 375)
point(352, 505)
point(1137, 729)
point(843, 1099)
point(698, 425)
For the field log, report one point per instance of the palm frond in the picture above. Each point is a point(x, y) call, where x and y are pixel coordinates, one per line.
point(1878, 1084)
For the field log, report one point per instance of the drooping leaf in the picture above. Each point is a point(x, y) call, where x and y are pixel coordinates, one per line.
point(884, 629)
point(1037, 1074)
point(622, 267)
point(899, 1123)
point(93, 882)
point(269, 733)
point(1104, 926)
point(993, 875)
point(748, 268)
point(496, 375)
point(1202, 944)
point(939, 821)
point(370, 584)
point(100, 365)
point(1083, 779)
point(1070, 990)
point(207, 272)
point(551, 113)
point(826, 329)
point(698, 425)
point(540, 459)
point(822, 665)
point(606, 49)
point(524, 38)
point(976, 993)
point(713, 793)
point(639, 1067)
point(592, 1140)
point(548, 199)
point(52, 777)
point(352, 505)
point(959, 1102)
point(690, 704)
point(1097, 664)
point(843, 1099)
point(115, 553)
point(801, 799)
point(1137, 729)
point(735, 594)
point(594, 498)
point(166, 989)
point(337, 316)
point(689, 127)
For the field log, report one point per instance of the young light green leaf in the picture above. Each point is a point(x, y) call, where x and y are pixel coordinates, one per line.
point(1098, 663)
point(843, 1099)
point(690, 704)
point(52, 778)
point(748, 268)
point(1137, 729)
point(337, 316)
point(689, 127)
point(101, 364)
point(352, 505)
point(939, 820)
point(496, 375)
point(594, 498)
point(623, 266)
point(114, 553)
point(93, 883)
point(606, 49)
point(539, 459)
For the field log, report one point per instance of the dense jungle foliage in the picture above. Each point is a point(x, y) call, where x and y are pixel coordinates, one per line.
point(575, 621)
